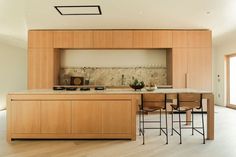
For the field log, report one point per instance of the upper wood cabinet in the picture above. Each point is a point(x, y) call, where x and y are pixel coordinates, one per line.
point(83, 39)
point(63, 39)
point(122, 39)
point(41, 68)
point(102, 39)
point(191, 39)
point(25, 117)
point(55, 116)
point(199, 39)
point(40, 39)
point(161, 39)
point(180, 38)
point(142, 39)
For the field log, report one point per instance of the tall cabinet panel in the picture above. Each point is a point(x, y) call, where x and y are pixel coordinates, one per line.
point(179, 67)
point(199, 68)
point(40, 68)
point(192, 60)
point(43, 60)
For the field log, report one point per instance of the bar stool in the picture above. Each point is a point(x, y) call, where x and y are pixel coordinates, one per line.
point(185, 102)
point(151, 103)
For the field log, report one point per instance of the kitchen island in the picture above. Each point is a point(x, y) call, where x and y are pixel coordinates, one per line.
point(108, 114)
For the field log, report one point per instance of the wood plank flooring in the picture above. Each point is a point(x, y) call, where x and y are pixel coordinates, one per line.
point(223, 146)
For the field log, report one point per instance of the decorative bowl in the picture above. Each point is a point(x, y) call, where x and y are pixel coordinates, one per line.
point(148, 88)
point(137, 85)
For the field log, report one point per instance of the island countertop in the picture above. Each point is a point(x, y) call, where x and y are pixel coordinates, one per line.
point(107, 91)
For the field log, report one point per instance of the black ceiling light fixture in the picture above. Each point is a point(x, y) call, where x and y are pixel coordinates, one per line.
point(79, 10)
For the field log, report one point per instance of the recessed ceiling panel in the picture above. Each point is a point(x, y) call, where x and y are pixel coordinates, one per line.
point(79, 10)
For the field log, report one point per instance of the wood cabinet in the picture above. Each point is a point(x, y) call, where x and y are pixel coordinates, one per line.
point(122, 39)
point(142, 39)
point(199, 39)
point(25, 117)
point(55, 116)
point(194, 38)
point(41, 68)
point(83, 39)
point(180, 39)
point(179, 67)
point(161, 39)
point(71, 116)
point(116, 117)
point(192, 68)
point(102, 39)
point(40, 39)
point(63, 39)
point(199, 68)
point(188, 46)
point(82, 122)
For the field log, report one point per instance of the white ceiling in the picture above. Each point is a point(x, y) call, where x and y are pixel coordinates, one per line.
point(19, 16)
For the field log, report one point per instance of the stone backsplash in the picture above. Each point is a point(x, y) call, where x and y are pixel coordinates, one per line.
point(112, 76)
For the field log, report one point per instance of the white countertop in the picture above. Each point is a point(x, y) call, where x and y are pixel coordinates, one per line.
point(108, 91)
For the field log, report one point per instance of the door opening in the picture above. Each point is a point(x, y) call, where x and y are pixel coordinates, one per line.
point(231, 81)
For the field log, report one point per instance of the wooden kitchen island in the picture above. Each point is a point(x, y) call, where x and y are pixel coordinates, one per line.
point(109, 114)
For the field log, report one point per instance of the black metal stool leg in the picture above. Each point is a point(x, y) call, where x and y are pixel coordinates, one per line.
point(139, 117)
point(203, 128)
point(180, 129)
point(160, 122)
point(143, 127)
point(192, 123)
point(172, 125)
point(166, 127)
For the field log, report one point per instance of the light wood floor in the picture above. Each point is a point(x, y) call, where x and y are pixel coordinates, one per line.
point(223, 146)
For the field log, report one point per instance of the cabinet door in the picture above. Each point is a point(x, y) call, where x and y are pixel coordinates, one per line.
point(142, 39)
point(86, 116)
point(63, 39)
point(122, 39)
point(199, 68)
point(56, 117)
point(102, 39)
point(179, 67)
point(161, 39)
point(40, 68)
point(116, 117)
point(40, 39)
point(25, 116)
point(83, 39)
point(199, 39)
point(180, 39)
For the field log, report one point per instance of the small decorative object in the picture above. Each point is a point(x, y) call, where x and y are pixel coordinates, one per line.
point(137, 85)
point(151, 87)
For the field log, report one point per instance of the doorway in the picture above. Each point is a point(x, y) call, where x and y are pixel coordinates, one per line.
point(231, 81)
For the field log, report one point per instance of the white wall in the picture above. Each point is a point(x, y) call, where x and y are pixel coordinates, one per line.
point(13, 69)
point(225, 46)
point(113, 58)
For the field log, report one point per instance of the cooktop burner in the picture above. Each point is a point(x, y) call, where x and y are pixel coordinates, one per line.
point(84, 88)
